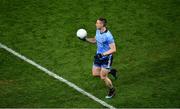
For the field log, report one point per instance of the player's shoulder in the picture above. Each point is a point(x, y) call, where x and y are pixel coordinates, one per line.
point(108, 34)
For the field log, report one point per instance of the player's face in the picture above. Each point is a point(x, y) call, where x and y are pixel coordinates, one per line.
point(99, 24)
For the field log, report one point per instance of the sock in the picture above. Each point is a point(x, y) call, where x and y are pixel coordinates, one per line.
point(111, 88)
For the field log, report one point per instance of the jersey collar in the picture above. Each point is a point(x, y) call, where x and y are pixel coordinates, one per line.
point(104, 31)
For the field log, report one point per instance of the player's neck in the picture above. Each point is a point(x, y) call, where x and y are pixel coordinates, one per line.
point(103, 29)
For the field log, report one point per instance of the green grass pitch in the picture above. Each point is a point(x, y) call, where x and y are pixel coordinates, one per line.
point(146, 33)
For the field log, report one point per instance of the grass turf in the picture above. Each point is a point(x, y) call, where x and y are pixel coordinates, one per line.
point(147, 58)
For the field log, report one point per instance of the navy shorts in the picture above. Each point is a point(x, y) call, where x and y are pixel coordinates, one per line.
point(104, 62)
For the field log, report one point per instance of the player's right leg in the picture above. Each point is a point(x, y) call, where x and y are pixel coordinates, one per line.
point(96, 70)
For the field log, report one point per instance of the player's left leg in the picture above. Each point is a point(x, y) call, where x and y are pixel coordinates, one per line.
point(104, 76)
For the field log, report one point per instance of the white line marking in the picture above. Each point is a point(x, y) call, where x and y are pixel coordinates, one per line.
point(50, 73)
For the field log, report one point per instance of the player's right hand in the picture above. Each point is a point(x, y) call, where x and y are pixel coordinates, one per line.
point(98, 56)
point(83, 39)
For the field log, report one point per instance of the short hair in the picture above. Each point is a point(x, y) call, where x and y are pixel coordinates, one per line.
point(103, 20)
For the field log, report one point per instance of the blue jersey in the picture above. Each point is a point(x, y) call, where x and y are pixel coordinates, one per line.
point(103, 40)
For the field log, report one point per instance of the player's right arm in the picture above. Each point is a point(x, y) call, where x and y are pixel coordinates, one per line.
point(91, 40)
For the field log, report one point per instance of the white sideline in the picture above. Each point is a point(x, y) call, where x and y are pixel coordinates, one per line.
point(50, 73)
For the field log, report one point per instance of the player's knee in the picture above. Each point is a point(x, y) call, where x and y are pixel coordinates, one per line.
point(104, 74)
point(103, 77)
point(95, 74)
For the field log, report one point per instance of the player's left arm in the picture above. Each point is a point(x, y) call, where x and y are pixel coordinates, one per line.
point(111, 50)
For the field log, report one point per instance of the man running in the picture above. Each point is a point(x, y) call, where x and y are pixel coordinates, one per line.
point(104, 55)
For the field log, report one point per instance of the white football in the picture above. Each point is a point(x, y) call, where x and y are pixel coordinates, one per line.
point(81, 33)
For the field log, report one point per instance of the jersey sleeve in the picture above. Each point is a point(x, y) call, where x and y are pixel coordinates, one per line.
point(110, 39)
